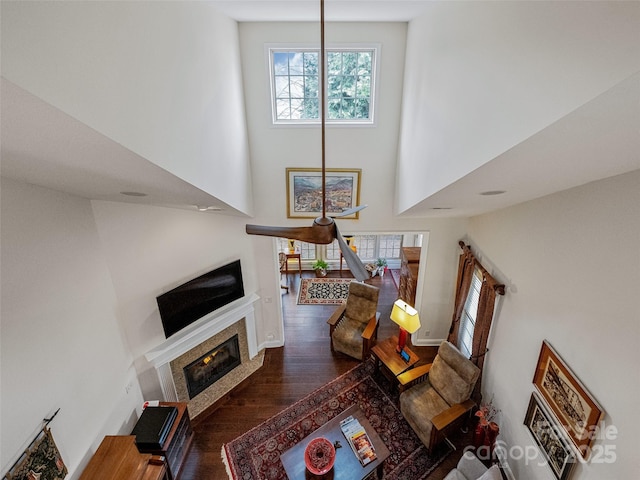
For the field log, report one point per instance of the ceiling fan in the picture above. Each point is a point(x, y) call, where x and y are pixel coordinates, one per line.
point(324, 229)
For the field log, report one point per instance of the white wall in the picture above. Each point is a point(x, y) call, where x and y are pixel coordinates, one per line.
point(153, 249)
point(482, 77)
point(572, 268)
point(162, 79)
point(372, 149)
point(62, 346)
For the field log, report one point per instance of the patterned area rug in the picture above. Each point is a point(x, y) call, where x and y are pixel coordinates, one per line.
point(323, 291)
point(256, 454)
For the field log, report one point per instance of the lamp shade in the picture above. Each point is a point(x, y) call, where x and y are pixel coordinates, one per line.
point(405, 316)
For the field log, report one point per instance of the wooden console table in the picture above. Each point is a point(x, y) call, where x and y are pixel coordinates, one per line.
point(178, 441)
point(117, 458)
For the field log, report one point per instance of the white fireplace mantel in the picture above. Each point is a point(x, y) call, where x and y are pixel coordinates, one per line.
point(197, 333)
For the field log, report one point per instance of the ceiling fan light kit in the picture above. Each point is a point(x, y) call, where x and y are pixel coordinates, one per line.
point(324, 230)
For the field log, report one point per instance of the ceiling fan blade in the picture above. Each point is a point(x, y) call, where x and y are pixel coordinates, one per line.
point(319, 234)
point(350, 211)
point(353, 261)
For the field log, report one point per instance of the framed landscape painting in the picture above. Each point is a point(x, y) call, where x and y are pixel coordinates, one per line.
point(549, 438)
point(304, 191)
point(568, 399)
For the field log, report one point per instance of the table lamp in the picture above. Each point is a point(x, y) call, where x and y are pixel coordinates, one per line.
point(407, 319)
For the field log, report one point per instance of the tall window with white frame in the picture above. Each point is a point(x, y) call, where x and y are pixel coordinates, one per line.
point(295, 87)
point(468, 318)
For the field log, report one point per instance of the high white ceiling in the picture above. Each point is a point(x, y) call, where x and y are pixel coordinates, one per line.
point(44, 146)
point(309, 10)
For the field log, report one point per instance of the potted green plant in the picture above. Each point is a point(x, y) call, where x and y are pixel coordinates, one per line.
point(381, 263)
point(320, 267)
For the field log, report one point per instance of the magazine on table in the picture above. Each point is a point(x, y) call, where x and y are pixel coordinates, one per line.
point(357, 437)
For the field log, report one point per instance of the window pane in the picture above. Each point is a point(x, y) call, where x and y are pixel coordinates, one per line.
point(362, 108)
point(283, 109)
point(363, 86)
point(334, 109)
point(311, 87)
point(296, 86)
point(307, 250)
point(348, 109)
point(310, 108)
point(295, 63)
point(390, 246)
point(366, 247)
point(333, 251)
point(282, 87)
point(349, 63)
point(334, 87)
point(280, 63)
point(334, 63)
point(349, 86)
point(311, 63)
point(364, 63)
point(297, 108)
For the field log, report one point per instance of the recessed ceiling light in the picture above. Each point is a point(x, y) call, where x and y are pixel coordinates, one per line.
point(489, 193)
point(134, 194)
point(441, 208)
point(202, 208)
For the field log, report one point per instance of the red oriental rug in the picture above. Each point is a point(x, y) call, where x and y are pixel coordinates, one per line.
point(256, 454)
point(323, 291)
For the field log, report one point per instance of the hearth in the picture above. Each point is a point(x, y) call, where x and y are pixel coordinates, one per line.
point(213, 365)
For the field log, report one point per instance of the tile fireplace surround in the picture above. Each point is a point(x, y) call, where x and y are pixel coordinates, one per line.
point(179, 350)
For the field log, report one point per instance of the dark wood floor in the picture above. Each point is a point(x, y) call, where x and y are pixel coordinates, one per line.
point(288, 374)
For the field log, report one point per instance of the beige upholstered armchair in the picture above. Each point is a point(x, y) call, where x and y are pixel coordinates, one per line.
point(353, 327)
point(436, 397)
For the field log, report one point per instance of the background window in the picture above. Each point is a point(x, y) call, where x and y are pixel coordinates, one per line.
point(296, 90)
point(468, 319)
point(390, 246)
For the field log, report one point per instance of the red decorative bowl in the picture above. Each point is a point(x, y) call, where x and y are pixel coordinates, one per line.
point(319, 456)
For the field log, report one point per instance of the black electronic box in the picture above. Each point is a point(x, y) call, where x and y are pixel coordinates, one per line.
point(153, 427)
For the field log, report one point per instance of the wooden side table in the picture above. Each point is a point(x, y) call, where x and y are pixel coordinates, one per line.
point(389, 362)
point(286, 263)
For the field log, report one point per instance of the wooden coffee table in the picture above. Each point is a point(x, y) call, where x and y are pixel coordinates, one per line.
point(389, 362)
point(347, 466)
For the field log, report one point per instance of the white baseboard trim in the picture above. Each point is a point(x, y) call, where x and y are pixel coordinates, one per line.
point(426, 342)
point(271, 344)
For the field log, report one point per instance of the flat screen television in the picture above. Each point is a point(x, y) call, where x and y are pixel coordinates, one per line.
point(189, 302)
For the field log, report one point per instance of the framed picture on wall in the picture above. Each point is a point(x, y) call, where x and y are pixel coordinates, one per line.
point(549, 437)
point(304, 191)
point(568, 399)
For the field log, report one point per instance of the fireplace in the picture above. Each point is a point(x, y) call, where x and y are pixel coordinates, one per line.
point(196, 342)
point(212, 366)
